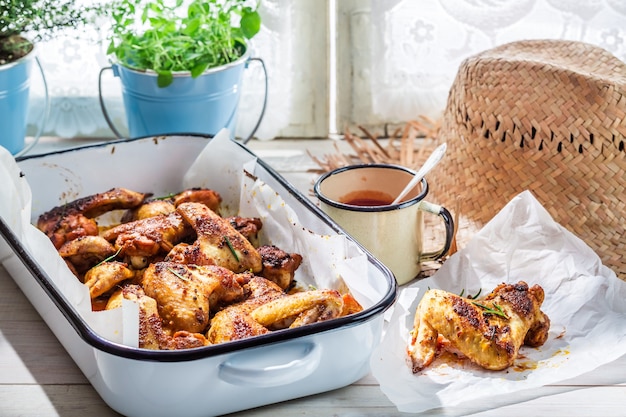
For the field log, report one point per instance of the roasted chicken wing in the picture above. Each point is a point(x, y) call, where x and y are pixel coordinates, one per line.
point(149, 237)
point(167, 205)
point(217, 242)
point(67, 228)
point(75, 219)
point(234, 322)
point(152, 335)
point(104, 277)
point(186, 294)
point(148, 209)
point(278, 265)
point(488, 331)
point(267, 308)
point(85, 252)
point(210, 198)
point(298, 309)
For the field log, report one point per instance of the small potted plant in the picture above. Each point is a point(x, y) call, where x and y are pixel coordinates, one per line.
point(180, 63)
point(22, 24)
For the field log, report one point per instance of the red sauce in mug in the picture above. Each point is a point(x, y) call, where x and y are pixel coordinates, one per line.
point(367, 198)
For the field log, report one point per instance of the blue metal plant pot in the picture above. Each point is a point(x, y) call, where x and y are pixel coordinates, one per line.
point(14, 99)
point(14, 89)
point(202, 105)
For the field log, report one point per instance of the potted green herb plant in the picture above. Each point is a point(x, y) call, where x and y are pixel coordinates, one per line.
point(22, 24)
point(180, 63)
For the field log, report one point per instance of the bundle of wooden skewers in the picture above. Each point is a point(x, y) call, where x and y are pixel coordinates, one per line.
point(408, 146)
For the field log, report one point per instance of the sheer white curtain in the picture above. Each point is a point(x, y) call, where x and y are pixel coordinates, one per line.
point(403, 54)
point(396, 60)
point(296, 74)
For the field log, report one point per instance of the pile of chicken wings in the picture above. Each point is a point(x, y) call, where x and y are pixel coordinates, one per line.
point(198, 278)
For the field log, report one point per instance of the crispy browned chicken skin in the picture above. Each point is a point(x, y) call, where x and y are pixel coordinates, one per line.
point(75, 219)
point(489, 331)
point(104, 277)
point(208, 197)
point(249, 227)
point(186, 294)
point(267, 308)
point(86, 251)
point(167, 205)
point(217, 242)
point(152, 335)
point(278, 265)
point(150, 236)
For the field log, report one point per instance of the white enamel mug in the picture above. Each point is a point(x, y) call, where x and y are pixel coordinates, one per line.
point(358, 198)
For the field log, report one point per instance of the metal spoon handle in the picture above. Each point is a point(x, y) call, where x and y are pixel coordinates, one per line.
point(432, 160)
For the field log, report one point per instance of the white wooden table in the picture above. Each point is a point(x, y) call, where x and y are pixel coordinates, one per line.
point(38, 378)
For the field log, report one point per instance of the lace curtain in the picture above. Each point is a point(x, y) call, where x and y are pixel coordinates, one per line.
point(414, 50)
point(72, 63)
point(396, 59)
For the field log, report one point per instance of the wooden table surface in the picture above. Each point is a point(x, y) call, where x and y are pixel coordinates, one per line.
point(38, 378)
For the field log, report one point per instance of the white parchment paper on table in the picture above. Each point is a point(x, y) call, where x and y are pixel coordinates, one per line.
point(585, 301)
point(329, 261)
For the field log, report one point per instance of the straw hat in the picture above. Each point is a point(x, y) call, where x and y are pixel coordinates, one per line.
point(546, 116)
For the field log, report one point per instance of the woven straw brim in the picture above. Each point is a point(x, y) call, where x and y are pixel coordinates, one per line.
point(545, 116)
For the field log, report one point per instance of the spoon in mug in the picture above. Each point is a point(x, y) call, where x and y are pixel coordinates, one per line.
point(432, 160)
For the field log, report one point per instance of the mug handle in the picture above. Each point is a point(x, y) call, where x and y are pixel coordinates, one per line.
point(449, 223)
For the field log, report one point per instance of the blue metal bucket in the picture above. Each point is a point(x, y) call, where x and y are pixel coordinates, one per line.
point(14, 89)
point(202, 105)
point(14, 99)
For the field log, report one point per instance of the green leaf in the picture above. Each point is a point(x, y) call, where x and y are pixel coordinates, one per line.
point(155, 7)
point(250, 23)
point(199, 69)
point(191, 26)
point(144, 15)
point(164, 78)
point(111, 48)
point(194, 10)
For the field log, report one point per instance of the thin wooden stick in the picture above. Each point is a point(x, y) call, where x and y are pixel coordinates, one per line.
point(403, 147)
point(373, 139)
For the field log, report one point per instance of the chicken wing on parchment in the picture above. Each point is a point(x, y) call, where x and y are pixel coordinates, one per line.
point(488, 331)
